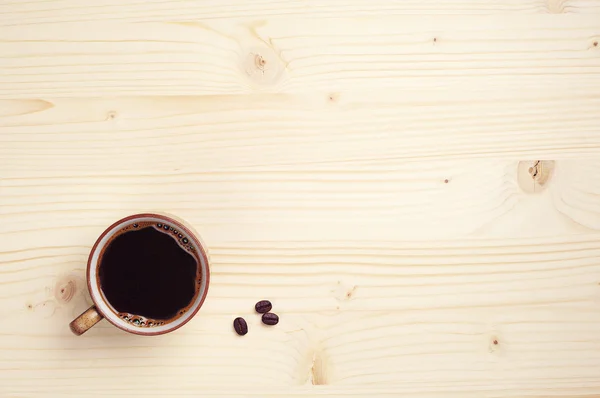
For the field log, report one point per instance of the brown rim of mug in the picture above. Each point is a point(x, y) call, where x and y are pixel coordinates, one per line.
point(163, 218)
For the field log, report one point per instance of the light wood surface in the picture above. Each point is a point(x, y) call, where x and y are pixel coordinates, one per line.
point(362, 164)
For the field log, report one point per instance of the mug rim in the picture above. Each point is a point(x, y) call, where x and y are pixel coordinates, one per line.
point(96, 294)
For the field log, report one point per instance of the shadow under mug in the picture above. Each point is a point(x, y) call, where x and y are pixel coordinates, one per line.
point(102, 308)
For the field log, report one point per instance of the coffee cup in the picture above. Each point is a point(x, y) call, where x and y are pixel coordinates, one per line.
point(147, 274)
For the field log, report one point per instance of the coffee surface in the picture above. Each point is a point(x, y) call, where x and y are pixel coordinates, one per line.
point(146, 272)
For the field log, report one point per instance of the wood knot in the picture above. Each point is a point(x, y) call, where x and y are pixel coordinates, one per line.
point(260, 62)
point(343, 293)
point(494, 344)
point(262, 65)
point(533, 176)
point(65, 290)
point(350, 293)
point(318, 371)
point(111, 115)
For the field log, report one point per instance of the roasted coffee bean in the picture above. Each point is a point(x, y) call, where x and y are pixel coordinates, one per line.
point(270, 319)
point(263, 306)
point(240, 326)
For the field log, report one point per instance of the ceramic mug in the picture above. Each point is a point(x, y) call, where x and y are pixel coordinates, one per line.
point(102, 308)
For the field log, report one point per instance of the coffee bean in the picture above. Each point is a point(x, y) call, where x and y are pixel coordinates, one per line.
point(270, 319)
point(263, 306)
point(240, 326)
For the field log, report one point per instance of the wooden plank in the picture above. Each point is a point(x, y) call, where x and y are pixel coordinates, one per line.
point(409, 201)
point(301, 392)
point(426, 317)
point(328, 391)
point(287, 55)
point(35, 12)
point(287, 132)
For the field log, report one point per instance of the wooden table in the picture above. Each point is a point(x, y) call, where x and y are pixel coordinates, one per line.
point(414, 184)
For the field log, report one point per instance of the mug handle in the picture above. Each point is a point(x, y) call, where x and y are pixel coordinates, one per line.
point(85, 321)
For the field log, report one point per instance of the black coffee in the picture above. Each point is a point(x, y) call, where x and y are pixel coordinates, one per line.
point(148, 273)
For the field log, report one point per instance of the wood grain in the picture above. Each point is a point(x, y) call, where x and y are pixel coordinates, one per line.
point(183, 134)
point(452, 315)
point(363, 165)
point(310, 55)
point(36, 12)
